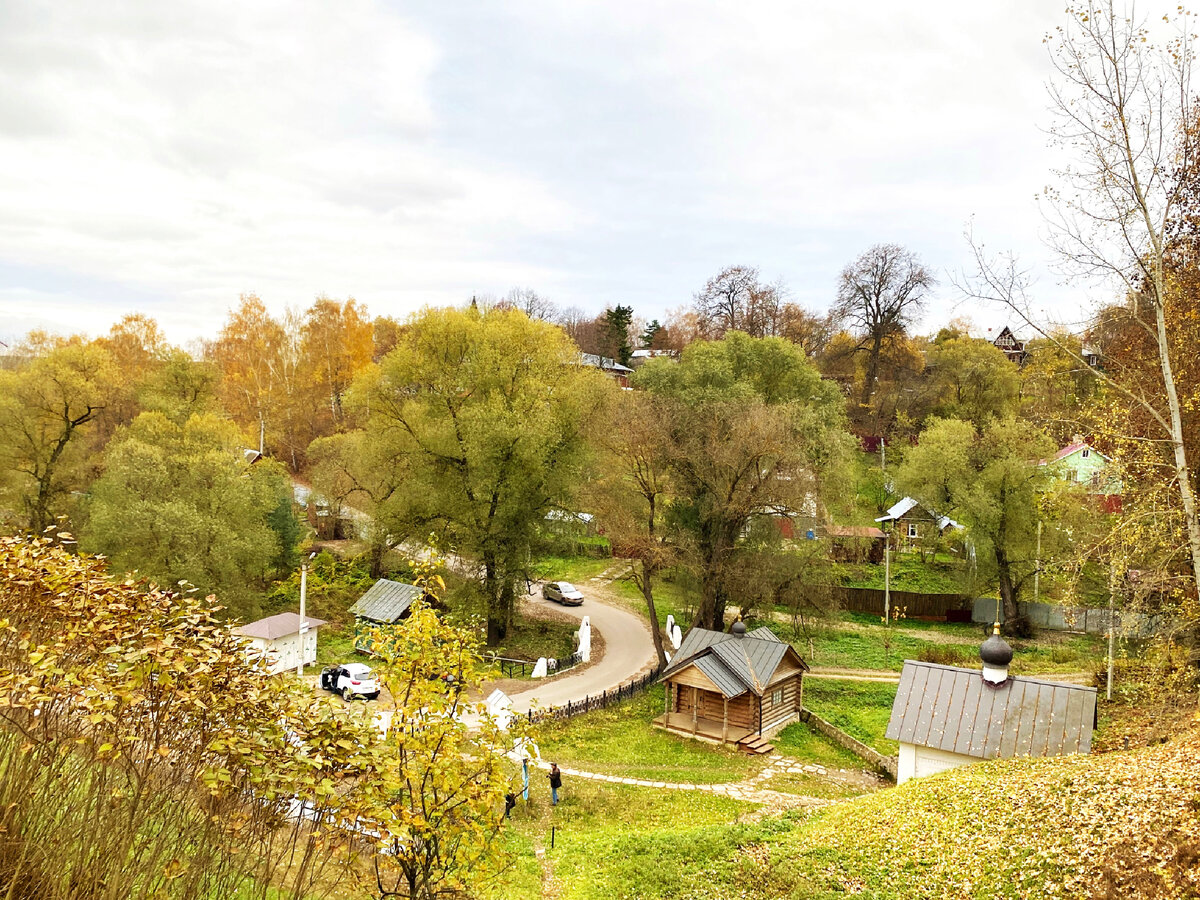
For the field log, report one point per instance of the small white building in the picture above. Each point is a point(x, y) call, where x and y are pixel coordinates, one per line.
point(946, 716)
point(277, 638)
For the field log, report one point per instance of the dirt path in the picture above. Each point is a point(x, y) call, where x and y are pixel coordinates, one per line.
point(749, 790)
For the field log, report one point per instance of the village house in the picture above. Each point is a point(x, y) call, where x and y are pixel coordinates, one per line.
point(277, 639)
point(610, 367)
point(912, 523)
point(732, 687)
point(946, 716)
point(385, 603)
point(856, 543)
point(1010, 345)
point(1081, 463)
point(640, 357)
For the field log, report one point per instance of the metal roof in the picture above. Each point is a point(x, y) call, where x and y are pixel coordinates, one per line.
point(734, 664)
point(898, 510)
point(276, 626)
point(950, 708)
point(386, 601)
point(721, 675)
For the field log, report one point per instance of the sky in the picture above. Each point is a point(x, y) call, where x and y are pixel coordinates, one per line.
point(166, 157)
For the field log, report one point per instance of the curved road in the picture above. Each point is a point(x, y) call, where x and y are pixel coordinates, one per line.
point(628, 651)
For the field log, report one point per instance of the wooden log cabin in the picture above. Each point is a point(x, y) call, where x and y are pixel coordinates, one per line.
point(733, 687)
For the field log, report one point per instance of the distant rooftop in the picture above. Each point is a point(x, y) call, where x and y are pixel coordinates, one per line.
point(276, 626)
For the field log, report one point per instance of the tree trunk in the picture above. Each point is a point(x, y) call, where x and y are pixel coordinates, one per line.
point(1008, 591)
point(872, 368)
point(497, 623)
point(655, 630)
point(1183, 473)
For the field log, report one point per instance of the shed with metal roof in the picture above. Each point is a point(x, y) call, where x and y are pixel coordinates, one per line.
point(735, 687)
point(946, 716)
point(385, 603)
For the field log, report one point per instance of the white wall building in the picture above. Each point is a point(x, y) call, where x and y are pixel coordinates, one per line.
point(278, 639)
point(946, 716)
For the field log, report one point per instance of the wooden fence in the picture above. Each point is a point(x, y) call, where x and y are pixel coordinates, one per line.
point(596, 701)
point(870, 600)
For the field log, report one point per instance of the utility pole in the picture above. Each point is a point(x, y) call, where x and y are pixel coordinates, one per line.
point(887, 578)
point(1112, 630)
point(882, 455)
point(303, 624)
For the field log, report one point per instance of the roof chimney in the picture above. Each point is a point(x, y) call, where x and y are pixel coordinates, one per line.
point(996, 655)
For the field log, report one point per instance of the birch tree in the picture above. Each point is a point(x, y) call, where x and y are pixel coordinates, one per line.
point(1122, 210)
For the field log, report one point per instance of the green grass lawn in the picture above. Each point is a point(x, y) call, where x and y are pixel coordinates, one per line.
point(859, 708)
point(943, 575)
point(621, 741)
point(534, 638)
point(859, 641)
point(335, 644)
point(617, 841)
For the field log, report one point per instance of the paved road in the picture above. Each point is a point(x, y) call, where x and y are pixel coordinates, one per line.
point(628, 651)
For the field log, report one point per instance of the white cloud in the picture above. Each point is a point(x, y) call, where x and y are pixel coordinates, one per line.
point(198, 150)
point(598, 150)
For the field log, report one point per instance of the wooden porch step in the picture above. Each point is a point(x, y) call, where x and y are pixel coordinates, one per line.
point(756, 744)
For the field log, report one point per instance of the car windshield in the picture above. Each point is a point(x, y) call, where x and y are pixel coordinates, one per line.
point(360, 674)
point(566, 586)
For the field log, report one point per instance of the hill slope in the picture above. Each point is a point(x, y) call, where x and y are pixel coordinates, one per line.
point(1113, 825)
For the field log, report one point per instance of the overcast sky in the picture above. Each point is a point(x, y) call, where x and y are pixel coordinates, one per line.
point(166, 157)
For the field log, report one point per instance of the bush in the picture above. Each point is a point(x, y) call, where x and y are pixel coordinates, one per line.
point(576, 545)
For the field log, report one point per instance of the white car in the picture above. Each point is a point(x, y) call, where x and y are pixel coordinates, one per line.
point(350, 680)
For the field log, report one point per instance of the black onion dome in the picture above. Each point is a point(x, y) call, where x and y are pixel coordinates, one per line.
point(739, 628)
point(996, 652)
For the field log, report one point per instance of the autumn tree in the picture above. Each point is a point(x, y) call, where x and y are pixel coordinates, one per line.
point(988, 479)
point(488, 412)
point(47, 404)
point(385, 334)
point(246, 352)
point(972, 380)
point(1057, 387)
point(181, 387)
point(632, 498)
point(138, 740)
point(179, 502)
point(735, 299)
point(435, 811)
point(880, 294)
point(1125, 208)
point(534, 305)
point(338, 343)
point(754, 432)
point(357, 469)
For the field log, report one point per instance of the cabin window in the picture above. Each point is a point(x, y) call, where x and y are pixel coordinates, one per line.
point(1085, 453)
point(912, 529)
point(777, 698)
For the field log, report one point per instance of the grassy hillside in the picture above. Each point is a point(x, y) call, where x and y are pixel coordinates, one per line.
point(1115, 825)
point(1106, 826)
